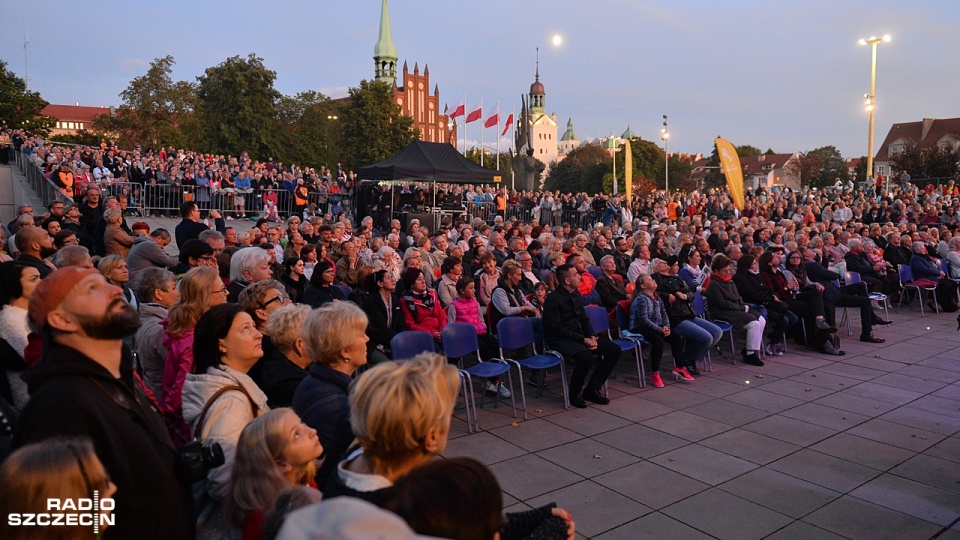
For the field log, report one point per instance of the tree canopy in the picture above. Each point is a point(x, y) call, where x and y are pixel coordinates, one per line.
point(373, 127)
point(819, 167)
point(930, 162)
point(19, 107)
point(155, 109)
point(236, 101)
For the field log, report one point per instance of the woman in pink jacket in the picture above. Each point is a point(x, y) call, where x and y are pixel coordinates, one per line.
point(200, 290)
point(466, 309)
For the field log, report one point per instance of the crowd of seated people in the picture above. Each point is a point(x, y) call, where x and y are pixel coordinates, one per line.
point(274, 340)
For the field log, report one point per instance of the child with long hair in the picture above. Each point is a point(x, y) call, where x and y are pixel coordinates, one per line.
point(276, 451)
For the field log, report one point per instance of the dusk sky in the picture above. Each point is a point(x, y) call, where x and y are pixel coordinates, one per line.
point(783, 75)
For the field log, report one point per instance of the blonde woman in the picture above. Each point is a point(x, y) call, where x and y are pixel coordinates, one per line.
point(63, 469)
point(336, 340)
point(200, 289)
point(276, 451)
point(400, 413)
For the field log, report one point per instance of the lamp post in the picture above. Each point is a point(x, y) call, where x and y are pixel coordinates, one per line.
point(665, 137)
point(871, 97)
point(613, 143)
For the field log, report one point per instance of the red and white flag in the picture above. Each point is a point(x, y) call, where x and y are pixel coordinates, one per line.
point(475, 113)
point(494, 118)
point(506, 126)
point(459, 109)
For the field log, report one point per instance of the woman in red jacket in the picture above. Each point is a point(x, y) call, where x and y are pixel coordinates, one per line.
point(421, 308)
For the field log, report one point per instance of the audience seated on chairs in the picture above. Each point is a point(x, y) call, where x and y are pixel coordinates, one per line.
point(569, 332)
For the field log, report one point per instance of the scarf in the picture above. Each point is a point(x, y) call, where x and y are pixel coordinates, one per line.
point(413, 300)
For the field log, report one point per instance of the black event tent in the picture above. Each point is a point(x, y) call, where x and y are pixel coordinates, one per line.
point(434, 162)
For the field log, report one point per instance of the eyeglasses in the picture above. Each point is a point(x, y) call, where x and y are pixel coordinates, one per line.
point(283, 299)
point(223, 290)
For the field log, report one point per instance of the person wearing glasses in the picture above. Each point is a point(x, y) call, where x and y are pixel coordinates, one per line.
point(321, 290)
point(200, 290)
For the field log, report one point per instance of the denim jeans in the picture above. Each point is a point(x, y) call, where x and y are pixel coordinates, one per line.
point(700, 335)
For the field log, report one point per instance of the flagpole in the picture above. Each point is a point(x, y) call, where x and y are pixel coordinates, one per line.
point(482, 129)
point(464, 123)
point(513, 137)
point(497, 130)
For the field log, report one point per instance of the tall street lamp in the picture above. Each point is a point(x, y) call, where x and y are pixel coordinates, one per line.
point(665, 137)
point(613, 144)
point(871, 97)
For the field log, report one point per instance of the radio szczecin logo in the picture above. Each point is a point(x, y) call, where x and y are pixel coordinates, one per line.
point(95, 512)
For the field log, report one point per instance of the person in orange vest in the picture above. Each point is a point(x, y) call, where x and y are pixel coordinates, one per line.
point(63, 179)
point(501, 201)
point(300, 198)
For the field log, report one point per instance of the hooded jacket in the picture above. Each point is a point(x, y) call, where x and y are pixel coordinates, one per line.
point(72, 395)
point(226, 417)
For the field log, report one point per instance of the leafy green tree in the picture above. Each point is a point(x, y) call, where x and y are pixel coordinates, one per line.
point(82, 136)
point(581, 170)
point(714, 177)
point(309, 129)
point(154, 109)
point(819, 167)
point(373, 127)
point(860, 171)
point(490, 161)
point(748, 151)
point(236, 101)
point(19, 107)
point(832, 166)
point(929, 162)
point(941, 162)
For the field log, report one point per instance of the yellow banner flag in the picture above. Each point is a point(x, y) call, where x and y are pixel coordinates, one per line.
point(628, 169)
point(730, 165)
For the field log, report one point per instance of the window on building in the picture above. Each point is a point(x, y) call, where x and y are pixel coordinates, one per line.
point(81, 125)
point(895, 149)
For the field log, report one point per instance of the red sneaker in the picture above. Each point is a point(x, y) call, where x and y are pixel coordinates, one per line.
point(656, 380)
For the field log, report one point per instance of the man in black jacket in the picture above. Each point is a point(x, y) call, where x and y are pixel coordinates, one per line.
point(384, 317)
point(85, 386)
point(568, 331)
point(191, 227)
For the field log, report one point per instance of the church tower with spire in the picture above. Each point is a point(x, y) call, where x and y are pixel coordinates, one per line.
point(543, 127)
point(385, 52)
point(412, 94)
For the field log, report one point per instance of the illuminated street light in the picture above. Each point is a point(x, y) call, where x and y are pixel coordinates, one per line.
point(665, 137)
point(872, 96)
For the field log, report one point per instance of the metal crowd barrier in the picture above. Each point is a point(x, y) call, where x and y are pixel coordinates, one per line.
point(45, 189)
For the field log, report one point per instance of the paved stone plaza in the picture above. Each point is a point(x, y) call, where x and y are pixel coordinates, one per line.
point(807, 447)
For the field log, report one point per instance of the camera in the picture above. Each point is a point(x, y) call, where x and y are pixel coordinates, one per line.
point(195, 459)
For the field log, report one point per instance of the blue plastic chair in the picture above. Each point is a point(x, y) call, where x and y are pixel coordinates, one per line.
point(700, 310)
point(905, 274)
point(345, 289)
point(600, 321)
point(623, 322)
point(515, 333)
point(595, 271)
point(406, 345)
point(460, 341)
point(852, 278)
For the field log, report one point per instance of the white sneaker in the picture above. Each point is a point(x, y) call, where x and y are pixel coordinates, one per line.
point(497, 389)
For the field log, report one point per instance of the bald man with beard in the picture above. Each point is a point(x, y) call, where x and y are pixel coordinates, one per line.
point(35, 245)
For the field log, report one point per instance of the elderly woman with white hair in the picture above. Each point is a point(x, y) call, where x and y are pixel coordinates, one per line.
point(249, 265)
point(287, 365)
point(336, 342)
point(387, 259)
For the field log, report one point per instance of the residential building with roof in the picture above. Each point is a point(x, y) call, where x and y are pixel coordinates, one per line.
point(767, 171)
point(73, 118)
point(923, 134)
